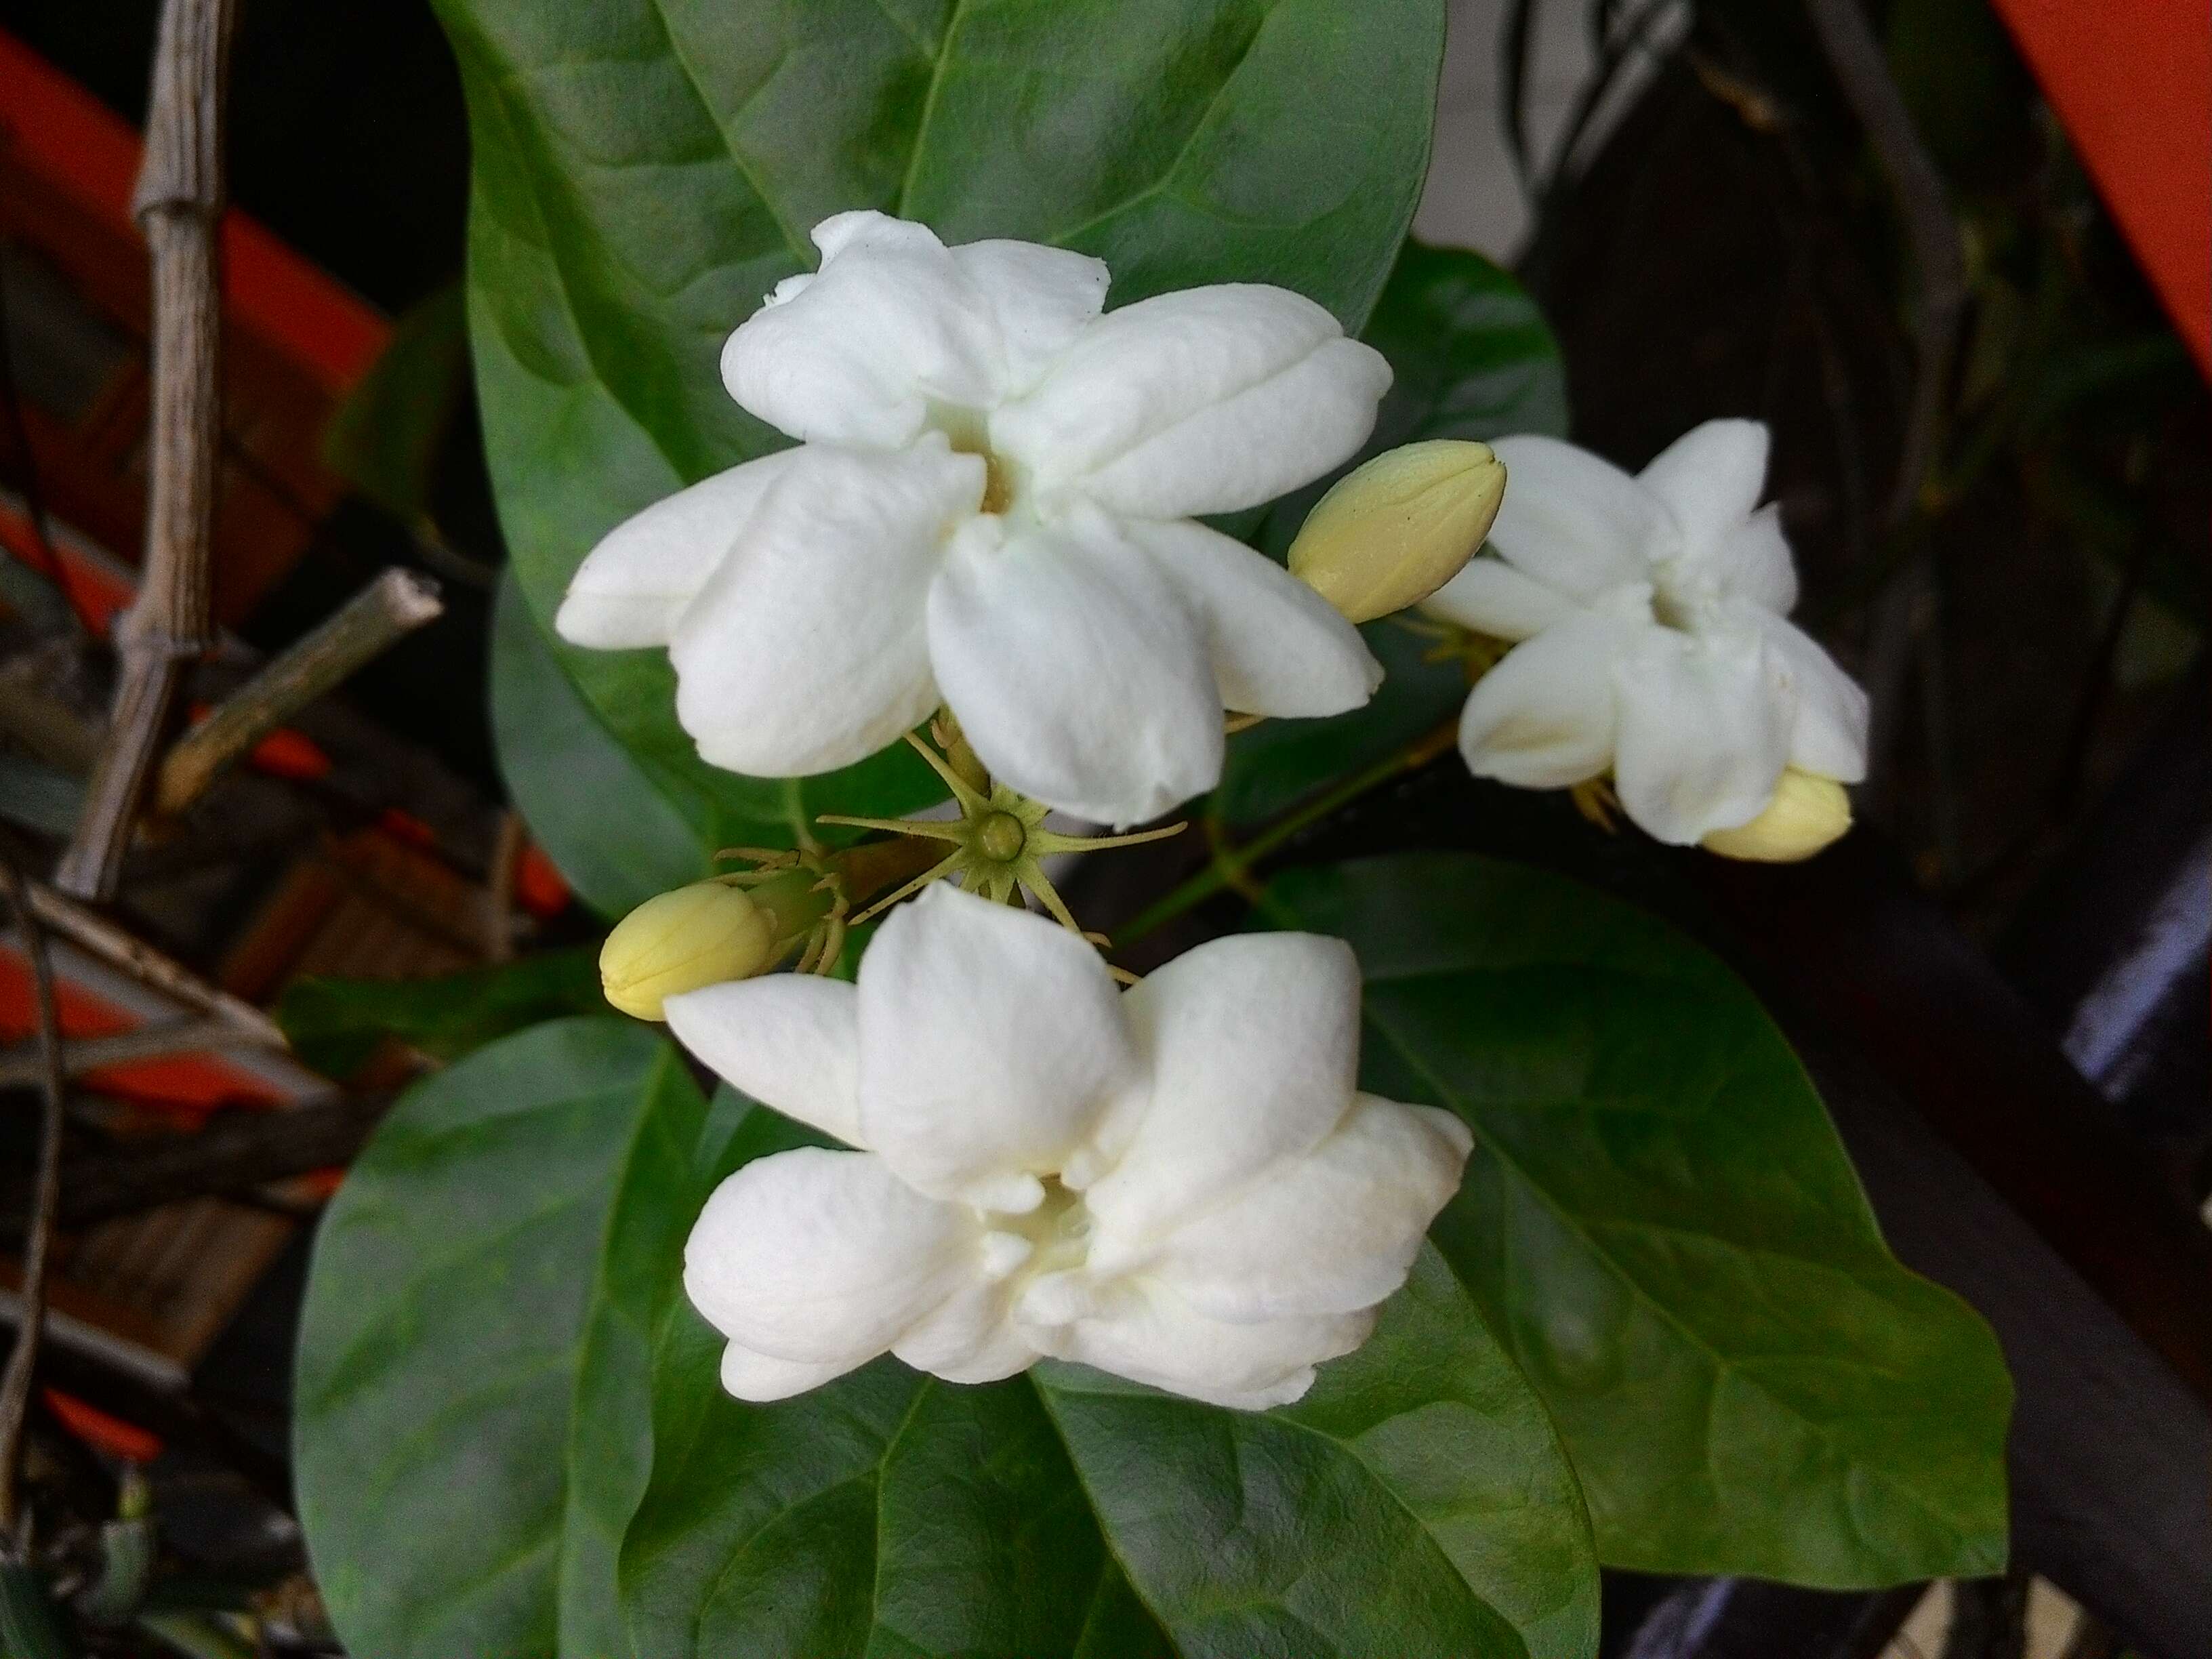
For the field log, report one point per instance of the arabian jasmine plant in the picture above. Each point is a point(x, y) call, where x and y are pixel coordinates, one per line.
point(1015, 1203)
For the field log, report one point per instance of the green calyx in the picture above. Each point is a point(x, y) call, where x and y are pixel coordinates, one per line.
point(998, 843)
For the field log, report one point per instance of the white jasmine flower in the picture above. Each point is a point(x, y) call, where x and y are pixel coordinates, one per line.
point(1180, 1183)
point(1653, 641)
point(992, 506)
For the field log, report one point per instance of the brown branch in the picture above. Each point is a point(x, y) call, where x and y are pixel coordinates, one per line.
point(46, 1194)
point(386, 610)
point(134, 956)
point(177, 202)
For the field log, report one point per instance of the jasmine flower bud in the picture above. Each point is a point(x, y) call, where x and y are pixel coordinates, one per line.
point(1806, 813)
point(702, 935)
point(1392, 532)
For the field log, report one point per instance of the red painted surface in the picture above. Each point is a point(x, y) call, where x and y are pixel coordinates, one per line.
point(402, 826)
point(74, 140)
point(96, 586)
point(539, 886)
point(284, 753)
point(2132, 81)
point(101, 1431)
point(188, 1085)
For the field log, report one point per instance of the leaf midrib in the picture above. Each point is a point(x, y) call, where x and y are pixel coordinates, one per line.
point(792, 239)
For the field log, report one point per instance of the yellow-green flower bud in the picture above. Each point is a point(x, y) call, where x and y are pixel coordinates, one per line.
point(697, 935)
point(1393, 532)
point(1806, 814)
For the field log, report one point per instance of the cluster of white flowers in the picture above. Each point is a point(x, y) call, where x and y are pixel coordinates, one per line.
point(992, 506)
point(1650, 614)
point(1180, 1183)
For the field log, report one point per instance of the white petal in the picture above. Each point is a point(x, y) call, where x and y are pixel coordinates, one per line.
point(1575, 522)
point(789, 1040)
point(631, 588)
point(822, 1257)
point(759, 1377)
point(1278, 648)
point(1711, 477)
point(635, 583)
point(991, 1040)
point(1752, 563)
point(1077, 673)
point(1493, 598)
point(969, 1338)
point(1253, 1043)
point(1207, 400)
point(1148, 1335)
point(1040, 297)
point(889, 324)
point(1704, 732)
point(1544, 717)
point(1829, 735)
point(806, 650)
point(1331, 1232)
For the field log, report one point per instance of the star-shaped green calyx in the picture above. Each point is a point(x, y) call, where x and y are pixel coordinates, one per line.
point(999, 842)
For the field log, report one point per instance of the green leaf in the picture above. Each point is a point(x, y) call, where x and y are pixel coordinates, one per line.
point(335, 1024)
point(617, 832)
point(645, 170)
point(1277, 764)
point(1470, 357)
point(384, 438)
point(1660, 1221)
point(476, 1301)
point(1416, 1502)
point(886, 1513)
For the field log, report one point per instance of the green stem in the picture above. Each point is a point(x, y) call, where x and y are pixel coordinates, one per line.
point(1232, 866)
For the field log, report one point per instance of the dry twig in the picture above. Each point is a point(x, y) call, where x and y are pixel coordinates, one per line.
point(134, 956)
point(178, 201)
point(386, 610)
point(46, 1194)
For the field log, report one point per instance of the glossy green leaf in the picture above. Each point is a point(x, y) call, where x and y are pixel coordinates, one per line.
point(886, 1513)
point(618, 832)
point(1470, 357)
point(1660, 1221)
point(1417, 1502)
point(335, 1024)
point(479, 1288)
point(646, 169)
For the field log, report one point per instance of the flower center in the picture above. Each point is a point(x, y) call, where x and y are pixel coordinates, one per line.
point(997, 489)
point(1674, 610)
point(968, 435)
point(1058, 1231)
point(1683, 598)
point(1000, 836)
